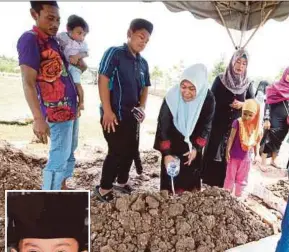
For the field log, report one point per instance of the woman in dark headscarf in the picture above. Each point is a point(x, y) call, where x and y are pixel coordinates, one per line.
point(277, 98)
point(230, 90)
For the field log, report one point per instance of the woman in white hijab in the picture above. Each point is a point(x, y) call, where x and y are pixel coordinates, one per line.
point(184, 125)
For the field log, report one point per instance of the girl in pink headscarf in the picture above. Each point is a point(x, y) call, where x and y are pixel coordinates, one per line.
point(277, 98)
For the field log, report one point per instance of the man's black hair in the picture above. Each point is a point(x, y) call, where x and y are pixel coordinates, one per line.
point(38, 5)
point(76, 21)
point(139, 23)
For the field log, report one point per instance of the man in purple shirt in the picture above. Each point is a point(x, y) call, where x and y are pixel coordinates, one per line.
point(50, 93)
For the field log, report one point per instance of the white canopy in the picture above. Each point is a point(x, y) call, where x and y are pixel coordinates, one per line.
point(238, 15)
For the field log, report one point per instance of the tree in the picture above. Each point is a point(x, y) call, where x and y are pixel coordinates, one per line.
point(156, 73)
point(280, 74)
point(8, 65)
point(178, 69)
point(156, 76)
point(219, 67)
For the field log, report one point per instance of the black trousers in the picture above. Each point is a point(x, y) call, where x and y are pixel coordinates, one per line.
point(122, 148)
point(137, 158)
point(279, 128)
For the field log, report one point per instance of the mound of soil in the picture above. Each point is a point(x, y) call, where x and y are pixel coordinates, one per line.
point(207, 221)
point(153, 221)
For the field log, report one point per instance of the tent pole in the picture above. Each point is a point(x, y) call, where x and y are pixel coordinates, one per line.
point(245, 22)
point(224, 23)
point(261, 24)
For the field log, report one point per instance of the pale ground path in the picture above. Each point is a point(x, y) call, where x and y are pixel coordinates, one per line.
point(267, 244)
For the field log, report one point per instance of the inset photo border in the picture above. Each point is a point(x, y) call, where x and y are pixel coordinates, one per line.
point(41, 220)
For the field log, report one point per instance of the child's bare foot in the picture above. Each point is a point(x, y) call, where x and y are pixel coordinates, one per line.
point(262, 167)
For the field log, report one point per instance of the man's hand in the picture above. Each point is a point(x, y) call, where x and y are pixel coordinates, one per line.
point(267, 125)
point(82, 65)
point(191, 156)
point(73, 59)
point(109, 121)
point(237, 104)
point(168, 159)
point(41, 130)
point(79, 108)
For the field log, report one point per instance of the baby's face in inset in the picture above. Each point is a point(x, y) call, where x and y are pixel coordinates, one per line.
point(48, 245)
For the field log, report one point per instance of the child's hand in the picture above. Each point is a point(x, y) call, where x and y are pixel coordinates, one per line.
point(228, 156)
point(82, 65)
point(73, 59)
point(257, 159)
point(267, 124)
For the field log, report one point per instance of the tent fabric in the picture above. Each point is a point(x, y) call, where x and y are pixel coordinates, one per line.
point(238, 15)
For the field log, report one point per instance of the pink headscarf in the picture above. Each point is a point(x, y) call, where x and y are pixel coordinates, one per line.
point(279, 91)
point(237, 84)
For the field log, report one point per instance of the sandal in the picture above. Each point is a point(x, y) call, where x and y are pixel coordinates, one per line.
point(275, 166)
point(127, 189)
point(138, 166)
point(103, 198)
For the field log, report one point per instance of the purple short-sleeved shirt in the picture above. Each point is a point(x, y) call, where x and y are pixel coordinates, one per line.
point(236, 151)
point(56, 91)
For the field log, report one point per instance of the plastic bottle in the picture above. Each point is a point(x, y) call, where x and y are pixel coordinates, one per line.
point(173, 170)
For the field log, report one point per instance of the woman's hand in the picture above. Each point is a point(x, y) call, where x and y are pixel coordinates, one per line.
point(236, 104)
point(168, 159)
point(267, 125)
point(191, 156)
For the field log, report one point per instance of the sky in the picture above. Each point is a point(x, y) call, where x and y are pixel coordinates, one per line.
point(176, 36)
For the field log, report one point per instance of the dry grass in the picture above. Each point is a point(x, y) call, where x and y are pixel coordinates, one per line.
point(13, 106)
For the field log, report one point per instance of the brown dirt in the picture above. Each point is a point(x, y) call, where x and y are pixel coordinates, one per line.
point(153, 222)
point(146, 221)
point(17, 171)
point(280, 189)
